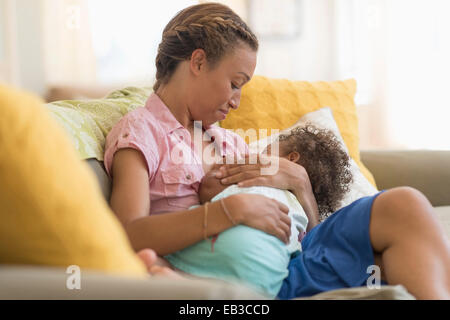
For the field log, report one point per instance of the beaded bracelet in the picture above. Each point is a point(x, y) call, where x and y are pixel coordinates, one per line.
point(205, 221)
point(226, 212)
point(205, 227)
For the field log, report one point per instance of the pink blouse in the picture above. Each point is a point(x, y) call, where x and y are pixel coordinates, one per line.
point(174, 169)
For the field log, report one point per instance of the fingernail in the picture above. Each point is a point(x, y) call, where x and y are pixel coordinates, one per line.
point(218, 174)
point(224, 180)
point(240, 184)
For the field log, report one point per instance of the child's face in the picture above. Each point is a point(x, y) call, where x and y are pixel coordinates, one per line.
point(276, 149)
point(281, 150)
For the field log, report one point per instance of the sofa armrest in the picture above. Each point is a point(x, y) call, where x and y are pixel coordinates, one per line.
point(425, 170)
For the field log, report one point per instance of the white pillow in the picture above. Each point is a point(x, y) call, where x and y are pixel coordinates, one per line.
point(323, 118)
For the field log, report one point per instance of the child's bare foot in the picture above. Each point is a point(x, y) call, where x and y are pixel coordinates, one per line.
point(156, 265)
point(147, 256)
point(164, 271)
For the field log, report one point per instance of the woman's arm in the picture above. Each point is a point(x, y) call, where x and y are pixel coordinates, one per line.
point(130, 201)
point(303, 192)
point(173, 231)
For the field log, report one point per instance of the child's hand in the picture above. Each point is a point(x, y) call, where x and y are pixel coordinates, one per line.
point(210, 186)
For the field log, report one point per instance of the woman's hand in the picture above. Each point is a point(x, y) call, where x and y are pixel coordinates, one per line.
point(260, 212)
point(268, 171)
point(286, 175)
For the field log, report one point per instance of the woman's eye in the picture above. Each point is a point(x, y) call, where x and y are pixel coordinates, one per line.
point(233, 86)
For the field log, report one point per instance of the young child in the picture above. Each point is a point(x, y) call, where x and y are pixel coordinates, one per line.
point(254, 257)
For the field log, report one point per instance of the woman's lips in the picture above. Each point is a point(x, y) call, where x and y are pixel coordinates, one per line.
point(224, 113)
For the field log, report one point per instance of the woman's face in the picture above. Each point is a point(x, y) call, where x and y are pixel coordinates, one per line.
point(218, 89)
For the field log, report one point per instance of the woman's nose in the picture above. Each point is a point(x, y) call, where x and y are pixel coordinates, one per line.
point(235, 99)
point(233, 104)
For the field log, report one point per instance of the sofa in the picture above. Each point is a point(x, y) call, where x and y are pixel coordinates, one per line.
point(425, 170)
point(428, 171)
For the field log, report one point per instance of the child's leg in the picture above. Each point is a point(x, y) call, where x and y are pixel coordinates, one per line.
point(414, 249)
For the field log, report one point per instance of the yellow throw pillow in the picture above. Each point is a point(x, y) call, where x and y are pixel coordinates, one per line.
point(51, 208)
point(279, 103)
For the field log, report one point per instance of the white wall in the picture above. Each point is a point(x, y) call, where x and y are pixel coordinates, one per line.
point(29, 44)
point(306, 57)
point(309, 56)
point(21, 60)
point(8, 59)
point(2, 30)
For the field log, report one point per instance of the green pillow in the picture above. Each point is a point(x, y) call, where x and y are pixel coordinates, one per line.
point(88, 122)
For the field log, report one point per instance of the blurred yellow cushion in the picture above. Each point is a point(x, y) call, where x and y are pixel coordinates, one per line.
point(278, 104)
point(52, 211)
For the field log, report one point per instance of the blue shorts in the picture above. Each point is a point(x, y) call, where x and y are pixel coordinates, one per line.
point(336, 253)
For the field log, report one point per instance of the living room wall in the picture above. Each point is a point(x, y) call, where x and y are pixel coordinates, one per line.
point(401, 67)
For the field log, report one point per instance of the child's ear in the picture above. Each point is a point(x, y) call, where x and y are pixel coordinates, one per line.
point(294, 156)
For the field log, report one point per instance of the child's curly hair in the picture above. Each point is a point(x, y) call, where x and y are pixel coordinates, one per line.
point(326, 163)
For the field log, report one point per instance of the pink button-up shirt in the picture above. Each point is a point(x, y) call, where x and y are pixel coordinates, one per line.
point(174, 169)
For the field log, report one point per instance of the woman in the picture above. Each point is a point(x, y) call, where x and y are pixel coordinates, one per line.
point(206, 55)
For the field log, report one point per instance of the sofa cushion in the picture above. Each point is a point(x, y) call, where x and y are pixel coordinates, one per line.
point(277, 104)
point(397, 292)
point(51, 208)
point(88, 122)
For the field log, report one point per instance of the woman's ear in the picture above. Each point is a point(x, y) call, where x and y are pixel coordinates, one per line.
point(294, 156)
point(197, 61)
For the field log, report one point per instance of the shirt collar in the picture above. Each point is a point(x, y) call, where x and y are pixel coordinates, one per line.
point(161, 112)
point(169, 123)
point(165, 117)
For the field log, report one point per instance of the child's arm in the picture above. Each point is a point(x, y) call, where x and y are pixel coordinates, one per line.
point(210, 186)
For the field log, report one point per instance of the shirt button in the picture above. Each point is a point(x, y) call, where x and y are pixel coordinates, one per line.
point(188, 177)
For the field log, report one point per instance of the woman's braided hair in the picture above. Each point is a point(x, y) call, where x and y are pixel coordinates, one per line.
point(213, 27)
point(325, 161)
